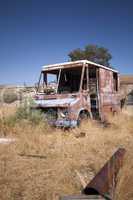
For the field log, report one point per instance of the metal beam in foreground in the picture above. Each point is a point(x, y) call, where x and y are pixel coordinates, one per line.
point(83, 197)
point(104, 183)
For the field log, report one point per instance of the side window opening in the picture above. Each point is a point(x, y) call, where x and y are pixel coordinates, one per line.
point(115, 81)
point(93, 79)
point(92, 73)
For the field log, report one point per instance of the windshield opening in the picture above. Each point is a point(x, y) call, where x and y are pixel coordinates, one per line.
point(61, 81)
point(69, 81)
point(48, 82)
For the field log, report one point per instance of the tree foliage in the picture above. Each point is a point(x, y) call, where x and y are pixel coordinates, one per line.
point(92, 53)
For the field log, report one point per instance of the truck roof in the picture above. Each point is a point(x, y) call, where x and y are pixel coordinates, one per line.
point(79, 62)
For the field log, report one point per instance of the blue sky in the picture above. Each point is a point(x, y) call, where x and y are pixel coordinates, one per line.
point(38, 32)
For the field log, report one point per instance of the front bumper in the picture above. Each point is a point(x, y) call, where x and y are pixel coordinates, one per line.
point(66, 123)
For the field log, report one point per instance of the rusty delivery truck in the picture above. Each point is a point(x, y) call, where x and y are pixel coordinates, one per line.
point(84, 89)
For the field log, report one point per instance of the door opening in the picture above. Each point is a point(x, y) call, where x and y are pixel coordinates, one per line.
point(94, 93)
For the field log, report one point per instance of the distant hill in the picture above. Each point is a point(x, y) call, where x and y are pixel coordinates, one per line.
point(126, 79)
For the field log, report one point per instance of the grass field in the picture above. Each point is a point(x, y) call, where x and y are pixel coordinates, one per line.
point(43, 162)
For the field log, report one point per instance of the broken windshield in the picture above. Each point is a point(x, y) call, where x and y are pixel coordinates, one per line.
point(48, 82)
point(61, 81)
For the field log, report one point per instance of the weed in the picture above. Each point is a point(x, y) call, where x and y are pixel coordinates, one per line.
point(43, 162)
point(9, 96)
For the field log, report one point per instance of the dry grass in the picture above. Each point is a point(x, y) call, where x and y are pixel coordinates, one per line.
point(42, 163)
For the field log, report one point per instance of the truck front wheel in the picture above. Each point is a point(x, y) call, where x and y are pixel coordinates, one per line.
point(83, 116)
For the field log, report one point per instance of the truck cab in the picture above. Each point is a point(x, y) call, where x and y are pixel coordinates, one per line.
point(83, 89)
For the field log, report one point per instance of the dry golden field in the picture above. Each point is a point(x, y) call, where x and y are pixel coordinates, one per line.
point(43, 162)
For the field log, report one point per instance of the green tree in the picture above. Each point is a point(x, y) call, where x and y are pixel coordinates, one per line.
point(92, 53)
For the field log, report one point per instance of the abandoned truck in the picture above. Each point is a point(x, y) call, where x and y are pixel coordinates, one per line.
point(83, 90)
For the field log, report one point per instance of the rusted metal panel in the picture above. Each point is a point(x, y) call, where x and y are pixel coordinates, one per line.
point(109, 97)
point(103, 185)
point(104, 182)
point(56, 102)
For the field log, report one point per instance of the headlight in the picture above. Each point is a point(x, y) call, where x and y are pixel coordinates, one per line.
point(63, 113)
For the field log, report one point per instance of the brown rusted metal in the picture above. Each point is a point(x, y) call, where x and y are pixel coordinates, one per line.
point(104, 183)
point(82, 197)
point(98, 92)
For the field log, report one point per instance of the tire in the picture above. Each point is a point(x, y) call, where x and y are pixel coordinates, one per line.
point(83, 116)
